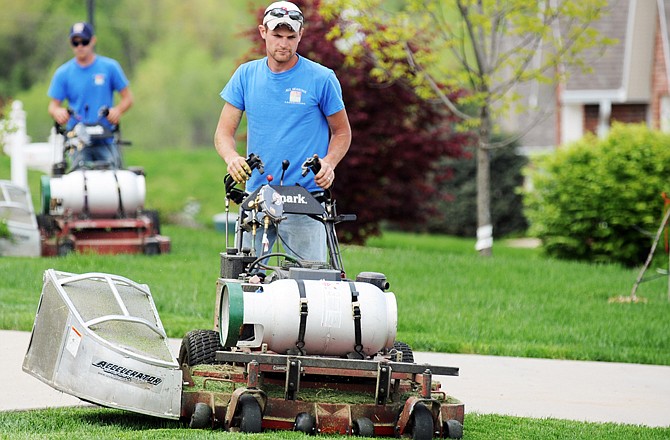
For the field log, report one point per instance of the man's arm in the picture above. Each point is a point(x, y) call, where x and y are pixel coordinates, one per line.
point(57, 112)
point(224, 142)
point(340, 141)
point(124, 104)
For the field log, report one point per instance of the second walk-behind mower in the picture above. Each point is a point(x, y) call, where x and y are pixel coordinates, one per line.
point(96, 205)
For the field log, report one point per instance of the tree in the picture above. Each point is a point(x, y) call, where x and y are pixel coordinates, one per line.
point(455, 211)
point(488, 46)
point(398, 137)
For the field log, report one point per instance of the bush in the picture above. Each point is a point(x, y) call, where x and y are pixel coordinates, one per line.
point(455, 212)
point(601, 200)
point(4, 230)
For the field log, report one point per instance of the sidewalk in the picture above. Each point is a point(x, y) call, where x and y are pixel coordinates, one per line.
point(538, 388)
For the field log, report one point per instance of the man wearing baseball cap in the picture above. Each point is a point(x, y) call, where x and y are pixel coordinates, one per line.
point(88, 82)
point(294, 110)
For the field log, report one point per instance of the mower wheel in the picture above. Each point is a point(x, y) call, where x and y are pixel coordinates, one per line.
point(452, 429)
point(47, 224)
point(152, 249)
point(251, 418)
point(155, 220)
point(406, 350)
point(363, 427)
point(422, 419)
point(305, 422)
point(201, 417)
point(199, 347)
point(66, 247)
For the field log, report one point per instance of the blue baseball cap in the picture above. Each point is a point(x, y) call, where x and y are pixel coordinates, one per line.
point(81, 30)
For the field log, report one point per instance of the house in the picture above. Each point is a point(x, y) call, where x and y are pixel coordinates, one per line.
point(628, 82)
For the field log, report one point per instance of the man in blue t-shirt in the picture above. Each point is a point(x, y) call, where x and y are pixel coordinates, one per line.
point(294, 110)
point(88, 83)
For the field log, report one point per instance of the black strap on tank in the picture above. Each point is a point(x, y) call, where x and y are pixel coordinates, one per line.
point(300, 343)
point(86, 213)
point(118, 191)
point(356, 310)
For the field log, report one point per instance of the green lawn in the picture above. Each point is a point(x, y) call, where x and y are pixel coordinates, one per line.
point(89, 423)
point(517, 303)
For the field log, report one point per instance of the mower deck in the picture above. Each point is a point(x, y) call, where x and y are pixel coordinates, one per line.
point(320, 395)
point(103, 236)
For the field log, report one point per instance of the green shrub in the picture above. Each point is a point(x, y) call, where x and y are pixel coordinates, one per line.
point(601, 200)
point(455, 212)
point(4, 230)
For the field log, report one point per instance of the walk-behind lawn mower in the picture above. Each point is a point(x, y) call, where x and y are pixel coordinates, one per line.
point(301, 348)
point(96, 205)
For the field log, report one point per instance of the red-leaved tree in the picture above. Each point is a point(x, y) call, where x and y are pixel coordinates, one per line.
point(398, 138)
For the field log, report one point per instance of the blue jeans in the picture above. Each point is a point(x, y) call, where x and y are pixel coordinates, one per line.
point(302, 237)
point(100, 152)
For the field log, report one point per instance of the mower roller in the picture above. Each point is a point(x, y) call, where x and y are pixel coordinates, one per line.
point(294, 346)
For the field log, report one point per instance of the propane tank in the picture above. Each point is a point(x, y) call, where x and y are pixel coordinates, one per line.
point(333, 318)
point(93, 192)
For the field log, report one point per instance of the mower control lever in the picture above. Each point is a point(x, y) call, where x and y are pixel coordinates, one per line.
point(311, 163)
point(235, 194)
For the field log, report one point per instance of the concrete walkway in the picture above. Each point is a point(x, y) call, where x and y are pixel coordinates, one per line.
point(538, 388)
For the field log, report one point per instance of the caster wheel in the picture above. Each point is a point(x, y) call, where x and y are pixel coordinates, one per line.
point(452, 429)
point(306, 423)
point(65, 248)
point(251, 417)
point(201, 417)
point(363, 427)
point(422, 423)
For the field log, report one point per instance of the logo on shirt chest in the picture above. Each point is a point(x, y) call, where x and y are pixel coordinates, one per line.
point(295, 96)
point(99, 79)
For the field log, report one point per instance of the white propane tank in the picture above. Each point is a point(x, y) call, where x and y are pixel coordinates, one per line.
point(273, 312)
point(96, 192)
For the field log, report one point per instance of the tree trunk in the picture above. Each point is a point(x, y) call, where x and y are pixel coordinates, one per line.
point(484, 227)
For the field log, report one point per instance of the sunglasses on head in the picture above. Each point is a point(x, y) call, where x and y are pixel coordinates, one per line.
point(82, 42)
point(279, 12)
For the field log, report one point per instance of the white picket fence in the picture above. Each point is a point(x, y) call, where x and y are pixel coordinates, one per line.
point(25, 154)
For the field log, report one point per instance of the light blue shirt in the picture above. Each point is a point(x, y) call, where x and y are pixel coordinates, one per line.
point(88, 89)
point(286, 115)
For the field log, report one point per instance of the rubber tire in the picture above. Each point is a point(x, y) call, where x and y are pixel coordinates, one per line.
point(199, 347)
point(65, 248)
point(422, 423)
point(363, 427)
point(251, 417)
point(305, 422)
point(406, 350)
point(155, 220)
point(47, 224)
point(201, 417)
point(452, 429)
point(152, 249)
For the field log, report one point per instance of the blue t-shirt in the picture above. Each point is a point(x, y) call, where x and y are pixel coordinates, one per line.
point(286, 115)
point(88, 89)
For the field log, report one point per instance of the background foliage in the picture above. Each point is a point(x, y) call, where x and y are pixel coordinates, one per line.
point(600, 200)
point(454, 212)
point(179, 55)
point(397, 137)
point(494, 47)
